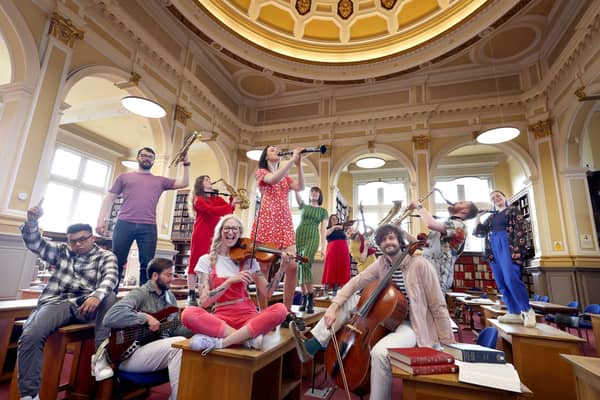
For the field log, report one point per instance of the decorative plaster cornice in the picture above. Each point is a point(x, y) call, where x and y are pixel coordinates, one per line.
point(63, 29)
point(181, 114)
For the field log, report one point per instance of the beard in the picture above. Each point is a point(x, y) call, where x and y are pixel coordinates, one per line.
point(162, 285)
point(391, 251)
point(145, 165)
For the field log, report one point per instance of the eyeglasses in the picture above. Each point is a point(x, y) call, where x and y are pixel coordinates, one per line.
point(150, 156)
point(231, 228)
point(79, 240)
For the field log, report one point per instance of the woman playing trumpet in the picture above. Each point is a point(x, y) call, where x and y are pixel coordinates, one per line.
point(274, 221)
point(209, 207)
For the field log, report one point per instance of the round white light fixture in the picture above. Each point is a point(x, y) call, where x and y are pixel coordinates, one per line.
point(254, 154)
point(143, 106)
point(370, 162)
point(498, 135)
point(376, 184)
point(131, 164)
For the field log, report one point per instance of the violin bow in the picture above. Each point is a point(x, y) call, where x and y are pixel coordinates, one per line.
point(338, 355)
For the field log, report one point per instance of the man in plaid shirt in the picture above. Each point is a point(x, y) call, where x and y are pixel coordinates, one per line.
point(80, 290)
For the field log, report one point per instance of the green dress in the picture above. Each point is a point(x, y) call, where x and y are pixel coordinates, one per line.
point(307, 238)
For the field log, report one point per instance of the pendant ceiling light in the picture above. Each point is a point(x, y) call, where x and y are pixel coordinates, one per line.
point(504, 132)
point(131, 164)
point(143, 106)
point(254, 154)
point(370, 162)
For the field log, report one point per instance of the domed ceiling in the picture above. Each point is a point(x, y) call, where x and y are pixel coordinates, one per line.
point(342, 40)
point(333, 31)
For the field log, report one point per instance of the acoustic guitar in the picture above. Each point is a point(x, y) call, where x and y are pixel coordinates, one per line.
point(124, 341)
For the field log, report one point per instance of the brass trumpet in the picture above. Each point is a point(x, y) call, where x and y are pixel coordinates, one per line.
point(240, 193)
point(180, 155)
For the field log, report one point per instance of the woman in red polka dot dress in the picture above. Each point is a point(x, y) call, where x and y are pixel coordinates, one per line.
point(275, 217)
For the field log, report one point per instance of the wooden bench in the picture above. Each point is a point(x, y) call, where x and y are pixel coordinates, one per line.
point(80, 338)
point(587, 373)
point(535, 353)
point(238, 373)
point(10, 311)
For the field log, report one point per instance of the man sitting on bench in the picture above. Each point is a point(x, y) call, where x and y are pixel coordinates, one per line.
point(135, 310)
point(79, 290)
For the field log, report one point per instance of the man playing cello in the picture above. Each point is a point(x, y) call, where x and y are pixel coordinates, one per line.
point(427, 324)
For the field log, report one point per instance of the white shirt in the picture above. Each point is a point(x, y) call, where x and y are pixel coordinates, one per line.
point(225, 266)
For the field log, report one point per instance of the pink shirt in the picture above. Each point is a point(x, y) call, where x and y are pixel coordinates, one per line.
point(140, 192)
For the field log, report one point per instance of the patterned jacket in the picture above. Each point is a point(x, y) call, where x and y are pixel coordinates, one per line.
point(517, 235)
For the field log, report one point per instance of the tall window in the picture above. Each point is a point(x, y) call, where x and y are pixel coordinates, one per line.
point(377, 199)
point(475, 189)
point(75, 190)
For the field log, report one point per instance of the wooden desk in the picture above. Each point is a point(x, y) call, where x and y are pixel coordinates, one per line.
point(491, 312)
point(11, 310)
point(237, 373)
point(548, 308)
point(323, 301)
point(535, 353)
point(277, 297)
point(309, 319)
point(596, 329)
point(451, 299)
point(587, 375)
point(473, 304)
point(447, 387)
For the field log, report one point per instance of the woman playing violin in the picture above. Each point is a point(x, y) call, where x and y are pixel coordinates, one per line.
point(223, 282)
point(336, 269)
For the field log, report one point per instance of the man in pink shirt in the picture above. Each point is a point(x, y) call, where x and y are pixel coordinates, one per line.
point(137, 216)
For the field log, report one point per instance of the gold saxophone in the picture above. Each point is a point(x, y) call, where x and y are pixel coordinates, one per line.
point(240, 193)
point(392, 213)
point(180, 155)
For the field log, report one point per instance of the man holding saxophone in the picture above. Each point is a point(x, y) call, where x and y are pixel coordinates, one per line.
point(137, 215)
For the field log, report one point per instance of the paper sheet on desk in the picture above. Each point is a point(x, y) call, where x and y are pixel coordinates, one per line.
point(498, 376)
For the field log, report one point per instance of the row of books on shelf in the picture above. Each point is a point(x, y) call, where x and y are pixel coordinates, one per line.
point(473, 275)
point(473, 363)
point(470, 283)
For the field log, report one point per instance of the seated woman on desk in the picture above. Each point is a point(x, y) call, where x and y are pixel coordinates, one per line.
point(223, 282)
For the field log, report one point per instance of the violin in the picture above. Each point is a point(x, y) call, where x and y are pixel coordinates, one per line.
point(263, 252)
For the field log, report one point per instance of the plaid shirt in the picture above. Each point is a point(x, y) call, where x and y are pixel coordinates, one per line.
point(77, 276)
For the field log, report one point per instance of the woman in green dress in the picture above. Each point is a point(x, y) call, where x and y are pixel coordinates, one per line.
point(309, 234)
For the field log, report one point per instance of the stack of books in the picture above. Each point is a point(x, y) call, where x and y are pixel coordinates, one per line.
point(422, 361)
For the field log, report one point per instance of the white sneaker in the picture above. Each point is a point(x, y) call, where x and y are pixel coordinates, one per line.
point(510, 319)
point(255, 343)
point(528, 318)
point(205, 343)
point(101, 368)
point(37, 397)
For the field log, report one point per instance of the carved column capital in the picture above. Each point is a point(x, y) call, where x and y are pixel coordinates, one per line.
point(63, 29)
point(541, 129)
point(181, 114)
point(421, 142)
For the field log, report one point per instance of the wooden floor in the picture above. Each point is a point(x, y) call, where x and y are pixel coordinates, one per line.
point(321, 381)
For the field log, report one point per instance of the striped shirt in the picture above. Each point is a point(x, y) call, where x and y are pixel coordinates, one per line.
point(77, 276)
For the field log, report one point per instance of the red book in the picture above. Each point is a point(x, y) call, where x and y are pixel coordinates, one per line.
point(430, 369)
point(420, 356)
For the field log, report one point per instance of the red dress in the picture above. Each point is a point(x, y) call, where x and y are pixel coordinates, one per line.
point(275, 218)
point(336, 270)
point(208, 212)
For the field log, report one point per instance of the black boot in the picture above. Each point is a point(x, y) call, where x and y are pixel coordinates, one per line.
point(191, 300)
point(310, 309)
point(303, 305)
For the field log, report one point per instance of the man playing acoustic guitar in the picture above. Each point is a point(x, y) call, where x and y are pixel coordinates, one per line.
point(148, 355)
point(427, 323)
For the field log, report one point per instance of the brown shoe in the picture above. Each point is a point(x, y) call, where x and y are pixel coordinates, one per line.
point(303, 354)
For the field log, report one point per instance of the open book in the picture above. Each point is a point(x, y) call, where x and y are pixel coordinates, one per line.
point(498, 376)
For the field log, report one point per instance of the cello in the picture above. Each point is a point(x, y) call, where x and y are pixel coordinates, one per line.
point(380, 310)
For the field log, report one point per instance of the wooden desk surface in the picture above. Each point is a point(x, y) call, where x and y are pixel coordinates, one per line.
point(552, 308)
point(596, 329)
point(477, 301)
point(17, 305)
point(541, 331)
point(587, 372)
point(448, 384)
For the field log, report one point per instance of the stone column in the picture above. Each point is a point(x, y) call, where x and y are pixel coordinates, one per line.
point(421, 159)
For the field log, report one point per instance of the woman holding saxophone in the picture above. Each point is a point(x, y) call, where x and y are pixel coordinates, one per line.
point(209, 207)
point(274, 220)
